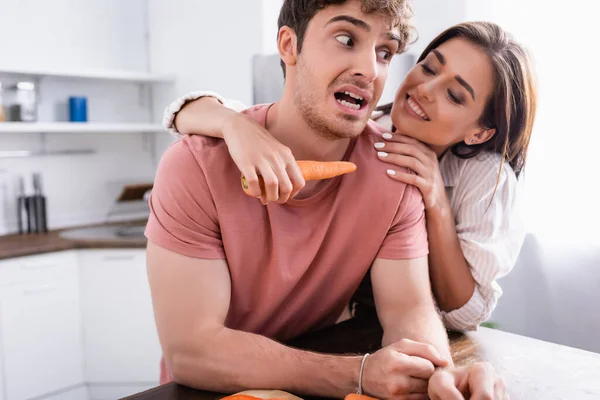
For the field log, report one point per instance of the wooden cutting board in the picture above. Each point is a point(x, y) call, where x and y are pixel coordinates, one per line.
point(134, 192)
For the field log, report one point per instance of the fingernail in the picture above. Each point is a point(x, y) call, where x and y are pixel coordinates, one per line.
point(382, 154)
point(391, 172)
point(379, 145)
point(387, 136)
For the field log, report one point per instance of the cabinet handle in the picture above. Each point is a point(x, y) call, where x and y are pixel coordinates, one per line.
point(126, 257)
point(40, 289)
point(33, 267)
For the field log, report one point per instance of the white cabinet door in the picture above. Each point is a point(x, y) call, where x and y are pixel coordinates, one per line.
point(120, 341)
point(41, 334)
point(2, 393)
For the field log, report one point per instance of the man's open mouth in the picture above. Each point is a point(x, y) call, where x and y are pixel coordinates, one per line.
point(350, 100)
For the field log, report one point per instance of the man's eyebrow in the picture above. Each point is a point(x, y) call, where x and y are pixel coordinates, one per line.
point(363, 25)
point(466, 86)
point(394, 36)
point(354, 21)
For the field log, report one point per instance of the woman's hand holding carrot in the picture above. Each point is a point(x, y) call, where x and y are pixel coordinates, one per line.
point(403, 151)
point(256, 153)
point(311, 171)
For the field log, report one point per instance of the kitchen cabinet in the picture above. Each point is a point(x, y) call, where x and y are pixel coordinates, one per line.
point(2, 393)
point(121, 346)
point(40, 325)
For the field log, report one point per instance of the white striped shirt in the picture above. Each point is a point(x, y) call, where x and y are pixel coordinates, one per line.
point(490, 229)
point(489, 225)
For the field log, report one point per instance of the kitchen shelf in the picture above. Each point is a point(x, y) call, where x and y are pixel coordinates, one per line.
point(28, 153)
point(111, 75)
point(78, 127)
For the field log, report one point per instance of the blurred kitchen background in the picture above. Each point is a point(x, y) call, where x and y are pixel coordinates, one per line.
point(84, 86)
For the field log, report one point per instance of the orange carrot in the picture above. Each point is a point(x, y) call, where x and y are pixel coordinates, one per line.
point(356, 396)
point(240, 397)
point(246, 397)
point(312, 171)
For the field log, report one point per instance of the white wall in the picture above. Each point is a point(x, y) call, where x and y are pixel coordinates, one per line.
point(208, 45)
point(270, 14)
point(554, 291)
point(432, 17)
point(73, 33)
point(68, 35)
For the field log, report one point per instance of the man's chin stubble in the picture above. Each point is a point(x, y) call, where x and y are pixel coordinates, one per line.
point(328, 129)
point(330, 132)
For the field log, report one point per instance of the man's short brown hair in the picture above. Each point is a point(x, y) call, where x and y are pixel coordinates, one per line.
point(297, 14)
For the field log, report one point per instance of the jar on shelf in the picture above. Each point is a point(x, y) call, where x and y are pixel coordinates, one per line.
point(24, 104)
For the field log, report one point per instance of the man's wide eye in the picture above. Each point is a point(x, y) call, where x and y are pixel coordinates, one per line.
point(385, 55)
point(345, 40)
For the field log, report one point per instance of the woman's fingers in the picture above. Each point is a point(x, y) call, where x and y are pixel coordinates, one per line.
point(296, 178)
point(404, 149)
point(376, 115)
point(284, 184)
point(271, 181)
point(405, 177)
point(403, 161)
point(399, 138)
point(251, 177)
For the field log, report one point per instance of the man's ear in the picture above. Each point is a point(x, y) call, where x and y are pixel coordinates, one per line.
point(479, 136)
point(287, 46)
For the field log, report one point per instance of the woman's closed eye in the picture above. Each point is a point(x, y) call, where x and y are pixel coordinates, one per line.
point(454, 98)
point(427, 70)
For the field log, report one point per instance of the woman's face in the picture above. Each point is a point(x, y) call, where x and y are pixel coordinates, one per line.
point(443, 97)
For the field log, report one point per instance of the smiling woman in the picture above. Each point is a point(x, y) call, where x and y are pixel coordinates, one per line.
point(463, 118)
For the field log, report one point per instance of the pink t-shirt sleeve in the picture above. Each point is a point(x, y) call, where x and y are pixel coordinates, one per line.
point(407, 237)
point(183, 217)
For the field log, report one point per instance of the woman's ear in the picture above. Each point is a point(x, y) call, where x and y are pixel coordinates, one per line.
point(480, 136)
point(287, 46)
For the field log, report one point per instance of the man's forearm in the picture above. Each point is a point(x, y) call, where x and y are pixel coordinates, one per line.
point(421, 324)
point(235, 361)
point(204, 116)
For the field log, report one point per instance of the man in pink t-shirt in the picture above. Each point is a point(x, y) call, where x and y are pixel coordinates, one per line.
point(231, 277)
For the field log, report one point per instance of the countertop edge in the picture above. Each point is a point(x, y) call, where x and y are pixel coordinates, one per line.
point(14, 246)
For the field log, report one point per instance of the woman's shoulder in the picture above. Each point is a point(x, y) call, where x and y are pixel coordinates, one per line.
point(484, 170)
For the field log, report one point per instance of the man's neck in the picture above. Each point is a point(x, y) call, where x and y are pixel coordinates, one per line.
point(287, 125)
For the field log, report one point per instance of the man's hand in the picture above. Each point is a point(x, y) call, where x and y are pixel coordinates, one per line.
point(477, 381)
point(401, 370)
